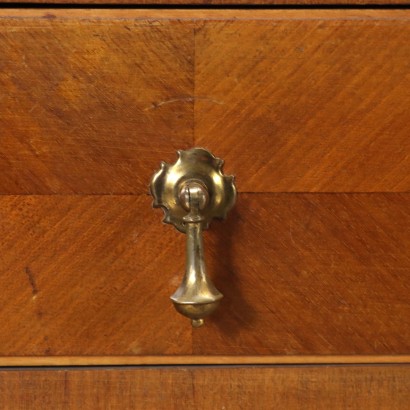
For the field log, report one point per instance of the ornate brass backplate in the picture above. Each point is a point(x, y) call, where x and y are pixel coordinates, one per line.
point(192, 192)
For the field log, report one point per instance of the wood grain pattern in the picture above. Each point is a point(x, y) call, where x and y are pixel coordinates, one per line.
point(87, 275)
point(310, 101)
point(316, 387)
point(306, 105)
point(88, 105)
point(311, 274)
point(320, 104)
point(92, 275)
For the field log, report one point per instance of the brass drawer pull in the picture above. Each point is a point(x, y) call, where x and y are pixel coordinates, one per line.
point(192, 192)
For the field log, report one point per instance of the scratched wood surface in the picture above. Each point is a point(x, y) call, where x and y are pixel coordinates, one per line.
point(84, 275)
point(88, 105)
point(310, 101)
point(316, 387)
point(301, 274)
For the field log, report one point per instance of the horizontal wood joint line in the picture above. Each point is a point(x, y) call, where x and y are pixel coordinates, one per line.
point(146, 194)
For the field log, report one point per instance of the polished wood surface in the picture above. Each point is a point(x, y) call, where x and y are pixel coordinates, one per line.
point(84, 275)
point(316, 387)
point(302, 105)
point(312, 100)
point(85, 104)
point(308, 273)
point(302, 274)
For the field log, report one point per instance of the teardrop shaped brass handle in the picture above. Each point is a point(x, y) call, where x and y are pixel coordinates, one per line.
point(192, 192)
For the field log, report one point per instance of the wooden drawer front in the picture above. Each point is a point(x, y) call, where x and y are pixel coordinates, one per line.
point(323, 387)
point(310, 111)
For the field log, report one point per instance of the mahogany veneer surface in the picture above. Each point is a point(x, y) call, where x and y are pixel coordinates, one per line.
point(307, 105)
point(79, 102)
point(301, 274)
point(293, 101)
point(88, 275)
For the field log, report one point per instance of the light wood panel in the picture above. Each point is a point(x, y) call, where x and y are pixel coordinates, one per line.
point(168, 360)
point(89, 104)
point(302, 274)
point(306, 104)
point(316, 387)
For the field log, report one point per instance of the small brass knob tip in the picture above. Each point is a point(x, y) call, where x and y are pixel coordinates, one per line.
point(197, 322)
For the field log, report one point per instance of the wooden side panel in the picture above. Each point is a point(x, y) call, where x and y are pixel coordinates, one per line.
point(310, 274)
point(307, 104)
point(89, 104)
point(308, 387)
point(88, 275)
